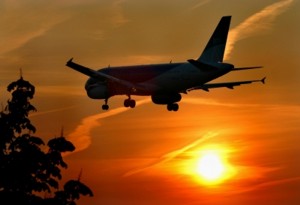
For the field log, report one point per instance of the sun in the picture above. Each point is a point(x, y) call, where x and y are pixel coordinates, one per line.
point(210, 166)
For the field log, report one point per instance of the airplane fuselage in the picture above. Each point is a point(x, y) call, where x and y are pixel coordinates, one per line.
point(168, 78)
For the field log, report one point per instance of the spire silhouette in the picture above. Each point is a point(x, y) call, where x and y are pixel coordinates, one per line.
point(21, 73)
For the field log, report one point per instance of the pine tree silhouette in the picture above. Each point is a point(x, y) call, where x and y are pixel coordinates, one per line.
point(27, 172)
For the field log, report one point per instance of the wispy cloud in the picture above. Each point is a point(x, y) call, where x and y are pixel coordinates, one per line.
point(171, 155)
point(118, 17)
point(81, 136)
point(16, 40)
point(20, 24)
point(208, 101)
point(199, 4)
point(141, 59)
point(257, 23)
point(265, 184)
point(35, 114)
point(111, 18)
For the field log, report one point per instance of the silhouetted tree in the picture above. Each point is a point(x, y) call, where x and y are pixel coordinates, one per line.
point(28, 172)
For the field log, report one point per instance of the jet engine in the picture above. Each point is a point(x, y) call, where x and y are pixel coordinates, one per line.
point(165, 99)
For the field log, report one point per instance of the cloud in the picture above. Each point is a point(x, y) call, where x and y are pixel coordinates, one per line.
point(201, 3)
point(264, 184)
point(171, 155)
point(210, 102)
point(35, 114)
point(17, 39)
point(81, 136)
point(257, 23)
point(118, 17)
point(21, 22)
point(141, 59)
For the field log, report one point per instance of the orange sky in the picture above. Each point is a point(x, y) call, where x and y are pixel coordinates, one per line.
point(143, 156)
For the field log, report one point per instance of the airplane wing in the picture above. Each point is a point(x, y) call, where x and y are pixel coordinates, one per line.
point(96, 74)
point(229, 85)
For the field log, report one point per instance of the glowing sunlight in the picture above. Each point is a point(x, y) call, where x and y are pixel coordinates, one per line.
point(210, 166)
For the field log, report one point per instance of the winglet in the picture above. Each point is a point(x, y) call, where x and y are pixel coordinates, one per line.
point(263, 80)
point(70, 61)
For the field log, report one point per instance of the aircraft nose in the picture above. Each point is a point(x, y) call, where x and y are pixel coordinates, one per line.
point(97, 92)
point(87, 87)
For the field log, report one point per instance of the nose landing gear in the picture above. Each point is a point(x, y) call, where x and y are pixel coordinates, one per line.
point(105, 106)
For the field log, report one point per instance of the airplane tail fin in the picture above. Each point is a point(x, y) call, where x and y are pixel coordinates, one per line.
point(215, 48)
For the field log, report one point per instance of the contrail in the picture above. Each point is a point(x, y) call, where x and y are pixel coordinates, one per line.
point(52, 111)
point(265, 184)
point(259, 22)
point(171, 155)
point(81, 138)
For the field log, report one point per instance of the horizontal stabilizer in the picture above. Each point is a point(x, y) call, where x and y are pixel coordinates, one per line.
point(247, 68)
point(229, 85)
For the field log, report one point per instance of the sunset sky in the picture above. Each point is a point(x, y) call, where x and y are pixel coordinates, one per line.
point(148, 155)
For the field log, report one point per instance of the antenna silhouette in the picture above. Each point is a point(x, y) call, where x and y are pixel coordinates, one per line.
point(62, 131)
point(80, 174)
point(21, 73)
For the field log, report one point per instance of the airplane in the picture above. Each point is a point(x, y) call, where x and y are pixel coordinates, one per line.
point(165, 83)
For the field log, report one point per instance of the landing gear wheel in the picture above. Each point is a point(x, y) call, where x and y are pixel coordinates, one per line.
point(105, 107)
point(173, 107)
point(132, 103)
point(129, 103)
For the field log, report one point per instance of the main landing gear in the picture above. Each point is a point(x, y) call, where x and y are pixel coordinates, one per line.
point(173, 107)
point(105, 107)
point(127, 103)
